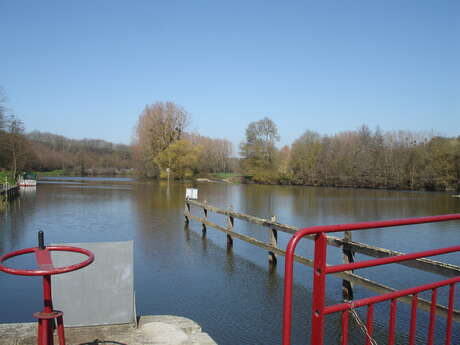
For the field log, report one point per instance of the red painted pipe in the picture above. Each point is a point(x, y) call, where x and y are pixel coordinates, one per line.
point(320, 270)
point(389, 296)
point(390, 260)
point(434, 296)
point(449, 314)
point(413, 320)
point(391, 335)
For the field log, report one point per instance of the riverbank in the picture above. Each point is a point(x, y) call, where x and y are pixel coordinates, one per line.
point(5, 176)
point(242, 179)
point(238, 178)
point(87, 173)
point(154, 330)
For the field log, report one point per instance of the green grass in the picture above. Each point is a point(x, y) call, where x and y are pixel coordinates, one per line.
point(57, 172)
point(6, 175)
point(224, 175)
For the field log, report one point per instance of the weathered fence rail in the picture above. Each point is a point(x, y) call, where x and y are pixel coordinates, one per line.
point(348, 246)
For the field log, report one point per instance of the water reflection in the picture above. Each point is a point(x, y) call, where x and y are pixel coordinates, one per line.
point(232, 291)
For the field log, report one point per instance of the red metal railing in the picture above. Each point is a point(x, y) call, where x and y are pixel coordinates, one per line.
point(321, 269)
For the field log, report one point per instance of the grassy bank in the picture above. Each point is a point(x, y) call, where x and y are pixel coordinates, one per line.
point(229, 177)
point(58, 172)
point(6, 176)
point(88, 172)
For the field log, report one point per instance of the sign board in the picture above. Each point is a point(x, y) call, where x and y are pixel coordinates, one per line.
point(101, 293)
point(191, 193)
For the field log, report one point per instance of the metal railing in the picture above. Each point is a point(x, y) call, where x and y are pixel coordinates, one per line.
point(321, 270)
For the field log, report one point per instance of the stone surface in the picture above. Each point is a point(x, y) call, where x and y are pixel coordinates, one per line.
point(151, 330)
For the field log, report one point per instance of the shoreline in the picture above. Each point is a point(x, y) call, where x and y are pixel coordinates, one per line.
point(230, 180)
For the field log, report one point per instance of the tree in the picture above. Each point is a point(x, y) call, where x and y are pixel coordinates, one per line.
point(18, 149)
point(215, 154)
point(2, 111)
point(2, 129)
point(179, 160)
point(259, 150)
point(305, 157)
point(159, 125)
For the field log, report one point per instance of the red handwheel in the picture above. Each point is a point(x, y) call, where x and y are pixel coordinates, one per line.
point(46, 269)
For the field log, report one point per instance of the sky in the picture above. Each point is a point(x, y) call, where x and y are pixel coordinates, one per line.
point(87, 68)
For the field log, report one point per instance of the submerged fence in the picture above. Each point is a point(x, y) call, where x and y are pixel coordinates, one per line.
point(8, 192)
point(349, 248)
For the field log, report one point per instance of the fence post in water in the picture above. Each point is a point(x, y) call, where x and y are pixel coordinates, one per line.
point(7, 190)
point(348, 258)
point(203, 225)
point(230, 223)
point(272, 241)
point(187, 212)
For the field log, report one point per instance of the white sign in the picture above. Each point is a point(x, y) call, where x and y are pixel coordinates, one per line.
point(191, 193)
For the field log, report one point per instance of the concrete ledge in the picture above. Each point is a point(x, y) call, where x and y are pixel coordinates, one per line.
point(152, 330)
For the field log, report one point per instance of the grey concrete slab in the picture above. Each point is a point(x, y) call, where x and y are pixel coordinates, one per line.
point(101, 293)
point(152, 330)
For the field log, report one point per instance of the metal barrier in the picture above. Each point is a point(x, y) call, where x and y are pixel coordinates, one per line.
point(321, 269)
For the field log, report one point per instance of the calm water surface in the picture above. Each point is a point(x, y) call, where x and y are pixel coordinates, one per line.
point(231, 293)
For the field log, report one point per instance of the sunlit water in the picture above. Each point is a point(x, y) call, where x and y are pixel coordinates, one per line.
point(231, 293)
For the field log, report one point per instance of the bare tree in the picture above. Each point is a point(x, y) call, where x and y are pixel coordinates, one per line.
point(17, 146)
point(2, 111)
point(159, 125)
point(215, 154)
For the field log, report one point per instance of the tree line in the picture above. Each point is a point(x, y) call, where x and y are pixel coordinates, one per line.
point(162, 148)
point(359, 158)
point(79, 157)
point(39, 151)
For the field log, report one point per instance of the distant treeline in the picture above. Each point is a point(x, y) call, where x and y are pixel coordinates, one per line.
point(44, 152)
point(39, 151)
point(162, 148)
point(360, 158)
point(79, 157)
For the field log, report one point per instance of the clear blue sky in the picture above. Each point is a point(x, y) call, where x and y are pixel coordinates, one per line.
point(87, 68)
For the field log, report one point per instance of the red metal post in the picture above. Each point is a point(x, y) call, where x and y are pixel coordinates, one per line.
point(370, 323)
point(413, 320)
point(60, 322)
point(449, 314)
point(47, 324)
point(288, 277)
point(319, 290)
point(345, 318)
point(391, 333)
point(434, 296)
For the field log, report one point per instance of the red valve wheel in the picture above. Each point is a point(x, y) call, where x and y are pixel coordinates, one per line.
point(44, 262)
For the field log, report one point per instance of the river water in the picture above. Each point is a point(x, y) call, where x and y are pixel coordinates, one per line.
point(232, 293)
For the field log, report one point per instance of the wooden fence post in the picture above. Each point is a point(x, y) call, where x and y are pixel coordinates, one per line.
point(230, 223)
point(273, 241)
point(203, 225)
point(187, 212)
point(348, 258)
